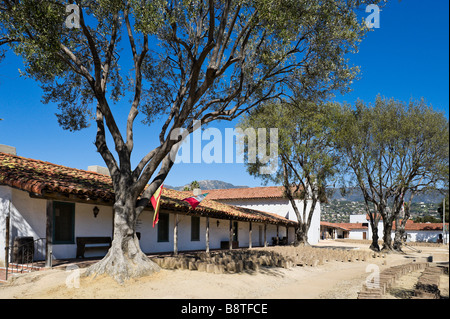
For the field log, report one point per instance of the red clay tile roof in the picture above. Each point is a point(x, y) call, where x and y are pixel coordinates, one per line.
point(40, 178)
point(174, 199)
point(333, 225)
point(412, 226)
point(352, 226)
point(43, 178)
point(247, 193)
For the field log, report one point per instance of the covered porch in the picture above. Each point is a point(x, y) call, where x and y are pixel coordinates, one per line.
point(333, 231)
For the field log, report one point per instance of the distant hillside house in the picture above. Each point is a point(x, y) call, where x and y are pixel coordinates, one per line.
point(54, 206)
point(415, 232)
point(269, 199)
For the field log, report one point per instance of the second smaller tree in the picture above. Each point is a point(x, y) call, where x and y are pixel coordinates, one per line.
point(307, 162)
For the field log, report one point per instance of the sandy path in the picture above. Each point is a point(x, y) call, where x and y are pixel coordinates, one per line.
point(331, 280)
point(291, 283)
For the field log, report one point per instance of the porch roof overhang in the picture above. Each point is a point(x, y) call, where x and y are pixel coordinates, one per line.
point(56, 182)
point(332, 225)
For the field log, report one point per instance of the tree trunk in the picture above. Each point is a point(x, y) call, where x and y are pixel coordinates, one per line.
point(125, 258)
point(404, 214)
point(374, 246)
point(387, 237)
point(301, 235)
point(399, 234)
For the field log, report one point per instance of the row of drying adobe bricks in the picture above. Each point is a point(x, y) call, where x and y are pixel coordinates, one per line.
point(427, 286)
point(235, 261)
point(307, 255)
point(224, 262)
point(378, 287)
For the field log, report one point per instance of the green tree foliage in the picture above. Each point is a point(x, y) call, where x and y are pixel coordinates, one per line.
point(177, 62)
point(307, 161)
point(392, 148)
point(427, 219)
point(192, 186)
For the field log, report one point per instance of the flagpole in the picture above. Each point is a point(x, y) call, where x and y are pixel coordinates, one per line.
point(175, 235)
point(443, 221)
point(207, 234)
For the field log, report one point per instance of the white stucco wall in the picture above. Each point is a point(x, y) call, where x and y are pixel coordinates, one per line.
point(25, 218)
point(425, 236)
point(282, 207)
point(87, 225)
point(413, 236)
point(28, 218)
point(5, 197)
point(217, 232)
point(357, 234)
point(361, 218)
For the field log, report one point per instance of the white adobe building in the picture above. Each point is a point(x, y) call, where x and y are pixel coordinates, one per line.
point(415, 232)
point(56, 205)
point(268, 199)
point(343, 230)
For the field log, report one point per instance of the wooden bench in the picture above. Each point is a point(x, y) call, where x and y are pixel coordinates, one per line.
point(84, 243)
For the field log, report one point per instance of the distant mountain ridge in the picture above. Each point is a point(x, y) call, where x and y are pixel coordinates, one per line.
point(208, 184)
point(355, 195)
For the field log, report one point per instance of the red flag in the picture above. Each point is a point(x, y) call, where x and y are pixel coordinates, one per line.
point(156, 199)
point(195, 200)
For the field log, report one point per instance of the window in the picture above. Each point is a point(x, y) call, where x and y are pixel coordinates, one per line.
point(163, 227)
point(63, 223)
point(195, 228)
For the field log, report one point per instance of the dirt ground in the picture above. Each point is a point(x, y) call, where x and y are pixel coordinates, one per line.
point(333, 280)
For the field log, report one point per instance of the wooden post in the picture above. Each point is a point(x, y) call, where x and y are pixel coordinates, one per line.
point(250, 234)
point(278, 234)
point(231, 235)
point(7, 222)
point(175, 235)
point(49, 235)
point(265, 235)
point(207, 234)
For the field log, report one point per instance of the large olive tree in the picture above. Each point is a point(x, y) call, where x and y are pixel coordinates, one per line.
point(393, 150)
point(177, 62)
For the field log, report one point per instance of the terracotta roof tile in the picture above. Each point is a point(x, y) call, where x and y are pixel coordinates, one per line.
point(352, 226)
point(247, 193)
point(41, 178)
point(333, 225)
point(412, 226)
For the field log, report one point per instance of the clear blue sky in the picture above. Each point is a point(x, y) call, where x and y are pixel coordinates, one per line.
point(407, 57)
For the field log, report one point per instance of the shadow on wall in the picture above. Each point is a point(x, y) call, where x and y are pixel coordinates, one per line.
point(20, 227)
point(428, 237)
